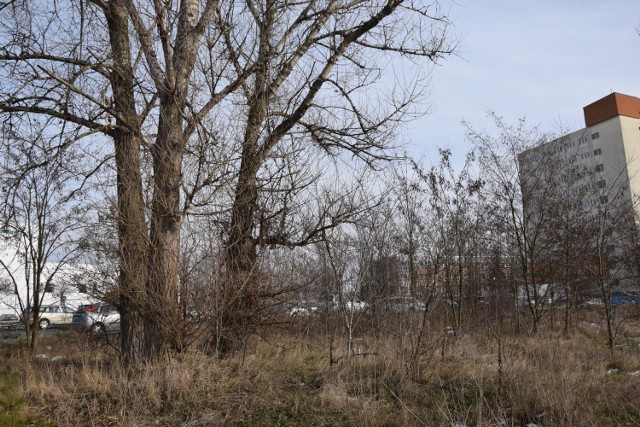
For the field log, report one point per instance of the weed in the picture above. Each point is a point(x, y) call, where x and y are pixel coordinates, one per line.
point(12, 402)
point(507, 379)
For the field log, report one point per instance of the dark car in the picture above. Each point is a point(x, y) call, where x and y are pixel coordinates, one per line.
point(96, 318)
point(10, 321)
point(619, 298)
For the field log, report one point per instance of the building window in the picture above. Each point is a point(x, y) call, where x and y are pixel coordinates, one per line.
point(595, 135)
point(82, 288)
point(583, 140)
point(599, 168)
point(584, 172)
point(49, 287)
point(597, 151)
point(601, 184)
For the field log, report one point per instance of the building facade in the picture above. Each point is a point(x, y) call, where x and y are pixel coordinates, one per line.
point(591, 164)
point(66, 285)
point(588, 181)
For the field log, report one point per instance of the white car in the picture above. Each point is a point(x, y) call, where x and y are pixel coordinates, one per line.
point(303, 308)
point(53, 315)
point(356, 305)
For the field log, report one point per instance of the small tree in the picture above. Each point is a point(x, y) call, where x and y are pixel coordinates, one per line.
point(520, 214)
point(410, 206)
point(42, 216)
point(453, 198)
point(610, 258)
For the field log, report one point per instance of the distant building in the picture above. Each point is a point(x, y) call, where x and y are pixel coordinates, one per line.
point(69, 286)
point(590, 174)
point(595, 162)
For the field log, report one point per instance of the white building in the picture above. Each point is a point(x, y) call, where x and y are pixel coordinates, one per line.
point(589, 182)
point(596, 162)
point(68, 285)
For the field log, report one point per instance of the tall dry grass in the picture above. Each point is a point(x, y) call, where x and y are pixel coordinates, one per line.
point(486, 377)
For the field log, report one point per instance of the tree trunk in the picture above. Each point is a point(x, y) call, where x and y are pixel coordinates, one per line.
point(161, 312)
point(132, 230)
point(240, 294)
point(239, 288)
point(132, 239)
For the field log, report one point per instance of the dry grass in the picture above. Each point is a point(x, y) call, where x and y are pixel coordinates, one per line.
point(476, 379)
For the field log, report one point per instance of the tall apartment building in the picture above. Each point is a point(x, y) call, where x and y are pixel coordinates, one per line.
point(613, 130)
point(597, 161)
point(590, 174)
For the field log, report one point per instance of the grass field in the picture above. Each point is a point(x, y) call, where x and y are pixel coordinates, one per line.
point(309, 375)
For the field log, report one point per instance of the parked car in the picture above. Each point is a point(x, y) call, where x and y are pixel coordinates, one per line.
point(304, 308)
point(10, 321)
point(96, 318)
point(331, 303)
point(355, 304)
point(618, 298)
point(51, 315)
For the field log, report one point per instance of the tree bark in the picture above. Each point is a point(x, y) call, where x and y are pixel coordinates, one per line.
point(161, 312)
point(132, 230)
point(240, 252)
point(239, 289)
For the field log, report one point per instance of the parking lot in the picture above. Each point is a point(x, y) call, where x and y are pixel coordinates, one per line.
point(15, 333)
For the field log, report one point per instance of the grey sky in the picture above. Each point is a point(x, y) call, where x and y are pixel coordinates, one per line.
point(541, 59)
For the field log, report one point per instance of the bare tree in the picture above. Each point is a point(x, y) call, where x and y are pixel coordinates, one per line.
point(502, 173)
point(565, 237)
point(80, 64)
point(176, 81)
point(610, 231)
point(42, 217)
point(410, 206)
point(378, 254)
point(308, 89)
point(342, 252)
point(453, 198)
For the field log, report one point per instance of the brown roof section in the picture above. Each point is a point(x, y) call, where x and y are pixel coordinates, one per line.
point(610, 106)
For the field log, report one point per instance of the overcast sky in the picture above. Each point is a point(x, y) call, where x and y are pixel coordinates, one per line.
point(542, 59)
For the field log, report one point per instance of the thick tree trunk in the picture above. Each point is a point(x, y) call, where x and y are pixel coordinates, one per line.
point(132, 229)
point(241, 248)
point(132, 238)
point(161, 314)
point(240, 287)
point(240, 284)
